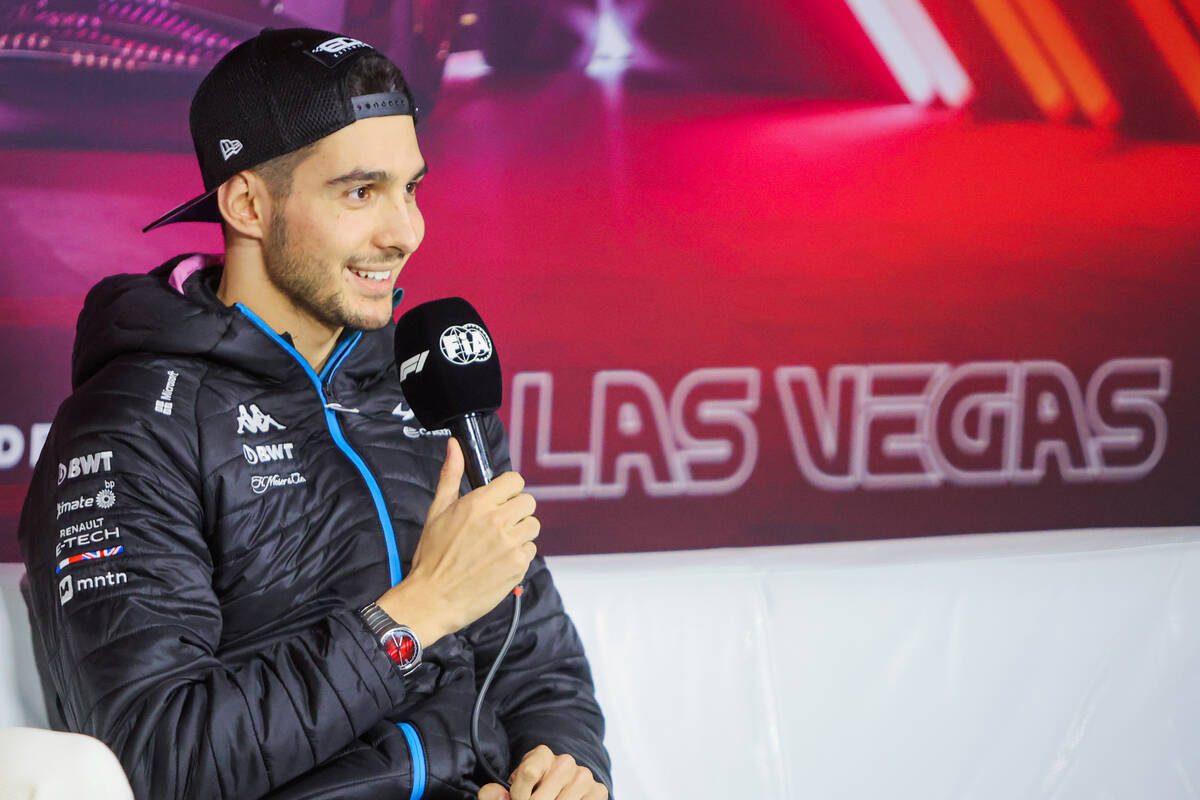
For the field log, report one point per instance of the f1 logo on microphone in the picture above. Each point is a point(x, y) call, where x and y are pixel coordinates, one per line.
point(411, 366)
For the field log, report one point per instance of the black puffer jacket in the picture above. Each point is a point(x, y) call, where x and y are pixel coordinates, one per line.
point(205, 518)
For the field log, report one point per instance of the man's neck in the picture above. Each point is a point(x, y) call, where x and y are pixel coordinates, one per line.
point(244, 280)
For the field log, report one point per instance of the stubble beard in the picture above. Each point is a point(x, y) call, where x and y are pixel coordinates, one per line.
point(307, 283)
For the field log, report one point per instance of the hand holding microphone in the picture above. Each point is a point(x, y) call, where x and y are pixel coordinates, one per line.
point(474, 549)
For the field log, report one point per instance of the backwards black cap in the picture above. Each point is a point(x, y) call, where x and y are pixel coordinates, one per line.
point(273, 94)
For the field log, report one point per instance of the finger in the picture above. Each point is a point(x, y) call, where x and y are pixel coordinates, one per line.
point(519, 507)
point(449, 481)
point(584, 786)
point(528, 529)
point(561, 771)
point(493, 791)
point(504, 487)
point(531, 769)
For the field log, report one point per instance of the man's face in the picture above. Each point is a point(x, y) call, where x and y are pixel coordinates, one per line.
point(335, 246)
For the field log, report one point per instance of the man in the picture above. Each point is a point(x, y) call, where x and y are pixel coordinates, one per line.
point(244, 577)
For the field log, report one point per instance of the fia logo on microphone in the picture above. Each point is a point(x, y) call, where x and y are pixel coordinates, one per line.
point(466, 344)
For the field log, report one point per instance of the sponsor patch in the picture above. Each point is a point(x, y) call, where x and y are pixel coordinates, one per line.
point(70, 585)
point(91, 555)
point(262, 483)
point(252, 420)
point(87, 539)
point(266, 453)
point(85, 465)
point(163, 404)
point(104, 499)
point(331, 51)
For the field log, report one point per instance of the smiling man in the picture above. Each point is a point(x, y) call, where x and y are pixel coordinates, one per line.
point(244, 576)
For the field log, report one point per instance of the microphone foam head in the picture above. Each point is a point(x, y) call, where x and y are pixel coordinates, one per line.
point(447, 362)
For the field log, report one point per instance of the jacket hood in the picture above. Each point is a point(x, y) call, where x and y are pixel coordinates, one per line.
point(174, 311)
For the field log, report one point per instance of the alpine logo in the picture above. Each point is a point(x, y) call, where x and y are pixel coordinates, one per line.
point(255, 421)
point(404, 412)
point(466, 344)
point(85, 465)
point(230, 148)
point(411, 366)
point(338, 45)
point(265, 453)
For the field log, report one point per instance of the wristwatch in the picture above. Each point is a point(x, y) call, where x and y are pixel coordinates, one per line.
point(398, 640)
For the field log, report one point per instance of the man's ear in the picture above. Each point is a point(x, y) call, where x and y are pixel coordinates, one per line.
point(244, 203)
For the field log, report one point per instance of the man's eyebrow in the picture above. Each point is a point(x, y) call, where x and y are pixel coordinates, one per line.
point(361, 175)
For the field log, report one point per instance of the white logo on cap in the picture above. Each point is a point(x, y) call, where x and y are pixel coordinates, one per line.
point(466, 344)
point(338, 45)
point(230, 148)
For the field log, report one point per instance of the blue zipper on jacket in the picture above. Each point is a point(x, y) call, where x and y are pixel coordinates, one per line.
point(335, 429)
point(418, 759)
point(415, 748)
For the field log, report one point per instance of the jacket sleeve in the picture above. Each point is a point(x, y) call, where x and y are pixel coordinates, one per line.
point(543, 693)
point(131, 634)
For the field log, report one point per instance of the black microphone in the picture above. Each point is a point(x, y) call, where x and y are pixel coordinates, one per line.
point(450, 375)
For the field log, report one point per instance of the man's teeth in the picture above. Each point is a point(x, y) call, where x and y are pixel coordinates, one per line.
point(371, 276)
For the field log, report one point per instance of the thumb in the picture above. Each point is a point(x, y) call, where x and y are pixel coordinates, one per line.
point(450, 481)
point(493, 791)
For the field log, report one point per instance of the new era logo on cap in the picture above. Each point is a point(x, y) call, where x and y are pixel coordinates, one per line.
point(230, 148)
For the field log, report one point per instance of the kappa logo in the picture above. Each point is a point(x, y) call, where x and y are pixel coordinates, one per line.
point(230, 148)
point(253, 420)
point(265, 453)
point(338, 45)
point(412, 366)
point(466, 344)
point(85, 465)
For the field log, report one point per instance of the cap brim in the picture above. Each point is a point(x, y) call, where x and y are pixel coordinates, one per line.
point(198, 209)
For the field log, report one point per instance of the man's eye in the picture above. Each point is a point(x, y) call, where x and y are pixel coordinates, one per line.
point(360, 192)
point(411, 187)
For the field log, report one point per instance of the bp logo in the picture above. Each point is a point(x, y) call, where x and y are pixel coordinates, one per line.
point(466, 344)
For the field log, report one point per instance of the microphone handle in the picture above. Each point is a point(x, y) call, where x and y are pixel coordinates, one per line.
point(470, 437)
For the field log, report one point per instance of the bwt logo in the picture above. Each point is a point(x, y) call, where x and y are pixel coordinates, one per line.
point(412, 366)
point(264, 453)
point(466, 344)
point(85, 465)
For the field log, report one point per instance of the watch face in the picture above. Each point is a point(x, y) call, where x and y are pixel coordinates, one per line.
point(401, 645)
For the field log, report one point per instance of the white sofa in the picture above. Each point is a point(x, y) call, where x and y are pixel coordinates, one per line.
point(1050, 665)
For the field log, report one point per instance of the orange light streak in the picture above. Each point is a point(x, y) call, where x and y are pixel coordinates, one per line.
point(1044, 86)
point(1081, 73)
point(1172, 38)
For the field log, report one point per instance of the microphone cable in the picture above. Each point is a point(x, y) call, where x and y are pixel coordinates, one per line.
point(487, 682)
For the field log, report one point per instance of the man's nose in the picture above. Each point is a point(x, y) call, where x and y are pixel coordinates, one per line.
point(401, 227)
